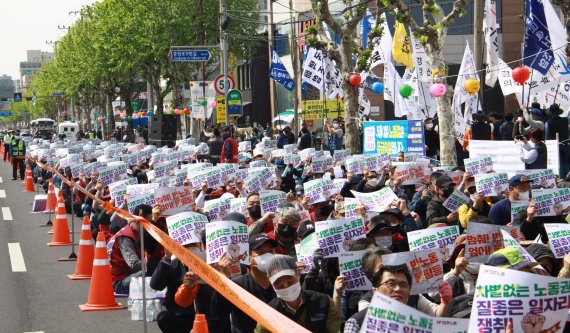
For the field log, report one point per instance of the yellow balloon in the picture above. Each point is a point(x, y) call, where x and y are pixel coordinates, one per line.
point(472, 86)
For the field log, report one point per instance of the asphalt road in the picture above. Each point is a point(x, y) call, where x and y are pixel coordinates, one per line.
point(39, 297)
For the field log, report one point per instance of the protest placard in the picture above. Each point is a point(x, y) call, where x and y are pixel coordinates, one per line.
point(229, 238)
point(338, 171)
point(518, 210)
point(165, 168)
point(293, 159)
point(290, 149)
point(163, 181)
point(353, 165)
point(321, 164)
point(258, 164)
point(478, 165)
point(484, 239)
point(306, 154)
point(141, 188)
point(450, 325)
point(509, 241)
point(455, 200)
point(442, 238)
point(244, 146)
point(336, 236)
point(533, 303)
point(350, 264)
point(378, 201)
point(239, 205)
point(492, 184)
point(385, 314)
point(197, 167)
point(269, 144)
point(551, 202)
point(350, 205)
point(341, 155)
point(339, 183)
point(76, 170)
point(180, 175)
point(393, 136)
point(186, 227)
point(314, 191)
point(269, 200)
point(217, 209)
point(259, 178)
point(174, 200)
point(134, 200)
point(329, 188)
point(559, 236)
point(426, 268)
point(545, 178)
point(305, 251)
point(119, 189)
point(456, 176)
point(278, 153)
point(410, 173)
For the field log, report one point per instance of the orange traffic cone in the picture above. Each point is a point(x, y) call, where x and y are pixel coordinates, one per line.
point(200, 324)
point(29, 180)
point(51, 199)
point(101, 294)
point(86, 252)
point(60, 227)
point(58, 196)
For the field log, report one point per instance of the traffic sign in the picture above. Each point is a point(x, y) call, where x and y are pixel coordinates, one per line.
point(58, 94)
point(17, 97)
point(220, 84)
point(190, 55)
point(234, 102)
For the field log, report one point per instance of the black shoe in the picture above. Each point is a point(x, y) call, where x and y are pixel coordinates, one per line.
point(14, 178)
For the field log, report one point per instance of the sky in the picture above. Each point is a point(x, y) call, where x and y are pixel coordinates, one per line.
point(28, 24)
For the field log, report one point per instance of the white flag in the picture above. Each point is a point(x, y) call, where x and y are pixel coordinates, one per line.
point(382, 52)
point(391, 85)
point(491, 42)
point(363, 104)
point(313, 69)
point(460, 96)
point(508, 85)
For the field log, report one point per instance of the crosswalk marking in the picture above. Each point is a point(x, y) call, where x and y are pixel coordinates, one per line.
point(6, 213)
point(16, 257)
point(2, 193)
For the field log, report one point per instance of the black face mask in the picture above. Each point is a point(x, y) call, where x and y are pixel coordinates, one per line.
point(285, 230)
point(255, 211)
point(447, 191)
point(326, 210)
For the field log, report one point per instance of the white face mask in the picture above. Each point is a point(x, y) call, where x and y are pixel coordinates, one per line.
point(429, 126)
point(335, 126)
point(524, 196)
point(262, 261)
point(373, 182)
point(385, 241)
point(473, 197)
point(289, 294)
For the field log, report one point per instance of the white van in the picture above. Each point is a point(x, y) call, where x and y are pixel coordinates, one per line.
point(69, 129)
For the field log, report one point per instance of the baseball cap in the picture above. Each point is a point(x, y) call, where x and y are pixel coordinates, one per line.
point(305, 228)
point(378, 223)
point(460, 242)
point(509, 258)
point(460, 306)
point(281, 265)
point(235, 216)
point(256, 241)
point(444, 181)
point(518, 179)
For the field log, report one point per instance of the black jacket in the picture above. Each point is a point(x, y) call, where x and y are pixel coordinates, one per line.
point(541, 160)
point(305, 141)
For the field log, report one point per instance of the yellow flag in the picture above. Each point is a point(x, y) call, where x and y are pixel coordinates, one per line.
point(401, 50)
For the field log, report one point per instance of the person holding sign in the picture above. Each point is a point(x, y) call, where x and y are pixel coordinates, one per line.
point(313, 310)
point(436, 212)
point(533, 154)
point(478, 205)
point(519, 189)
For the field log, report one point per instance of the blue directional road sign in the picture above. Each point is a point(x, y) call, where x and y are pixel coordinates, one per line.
point(190, 55)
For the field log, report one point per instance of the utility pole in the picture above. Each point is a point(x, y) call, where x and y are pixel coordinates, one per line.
point(478, 38)
point(271, 82)
point(296, 69)
point(224, 51)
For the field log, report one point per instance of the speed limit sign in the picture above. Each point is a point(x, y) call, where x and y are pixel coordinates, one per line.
point(221, 85)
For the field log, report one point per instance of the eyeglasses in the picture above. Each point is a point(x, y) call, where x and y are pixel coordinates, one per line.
point(393, 284)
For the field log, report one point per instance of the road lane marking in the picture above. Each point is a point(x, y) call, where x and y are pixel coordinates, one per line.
point(1, 180)
point(35, 332)
point(2, 193)
point(6, 214)
point(16, 257)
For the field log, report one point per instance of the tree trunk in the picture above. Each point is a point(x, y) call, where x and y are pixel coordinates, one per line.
point(444, 112)
point(352, 136)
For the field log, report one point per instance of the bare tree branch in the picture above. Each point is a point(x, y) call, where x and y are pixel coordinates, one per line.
point(458, 7)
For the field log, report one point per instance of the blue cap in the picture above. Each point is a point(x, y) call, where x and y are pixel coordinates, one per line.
point(518, 179)
point(536, 112)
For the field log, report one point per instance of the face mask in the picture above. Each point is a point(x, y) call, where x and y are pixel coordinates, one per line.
point(429, 126)
point(285, 230)
point(225, 136)
point(262, 261)
point(335, 126)
point(372, 182)
point(447, 191)
point(289, 294)
point(325, 210)
point(255, 211)
point(473, 196)
point(385, 241)
point(524, 196)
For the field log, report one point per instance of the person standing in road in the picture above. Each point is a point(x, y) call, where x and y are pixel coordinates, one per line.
point(18, 153)
point(7, 139)
point(215, 145)
point(230, 147)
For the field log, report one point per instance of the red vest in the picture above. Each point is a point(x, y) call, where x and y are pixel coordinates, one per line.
point(235, 152)
point(119, 268)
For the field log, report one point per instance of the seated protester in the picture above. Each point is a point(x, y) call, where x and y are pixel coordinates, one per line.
point(257, 223)
point(402, 216)
point(477, 206)
point(312, 310)
point(532, 226)
point(124, 250)
point(352, 181)
point(285, 230)
point(171, 273)
point(323, 274)
point(305, 228)
point(371, 182)
point(463, 275)
point(511, 258)
point(423, 196)
point(396, 282)
point(519, 189)
point(321, 211)
point(261, 250)
point(543, 254)
point(381, 231)
point(460, 306)
point(436, 212)
point(288, 178)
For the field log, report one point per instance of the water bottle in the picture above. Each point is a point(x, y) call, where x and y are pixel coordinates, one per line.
point(136, 314)
point(150, 310)
point(130, 303)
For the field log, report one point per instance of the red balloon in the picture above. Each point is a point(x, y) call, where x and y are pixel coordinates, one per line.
point(144, 113)
point(355, 80)
point(521, 74)
point(186, 111)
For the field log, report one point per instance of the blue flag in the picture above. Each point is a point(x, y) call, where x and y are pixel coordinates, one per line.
point(366, 24)
point(538, 52)
point(279, 73)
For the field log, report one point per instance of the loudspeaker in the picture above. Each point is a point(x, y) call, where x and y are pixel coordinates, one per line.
point(163, 129)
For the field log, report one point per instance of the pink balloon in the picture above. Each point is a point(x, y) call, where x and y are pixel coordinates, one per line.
point(212, 104)
point(438, 89)
point(135, 116)
point(177, 111)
